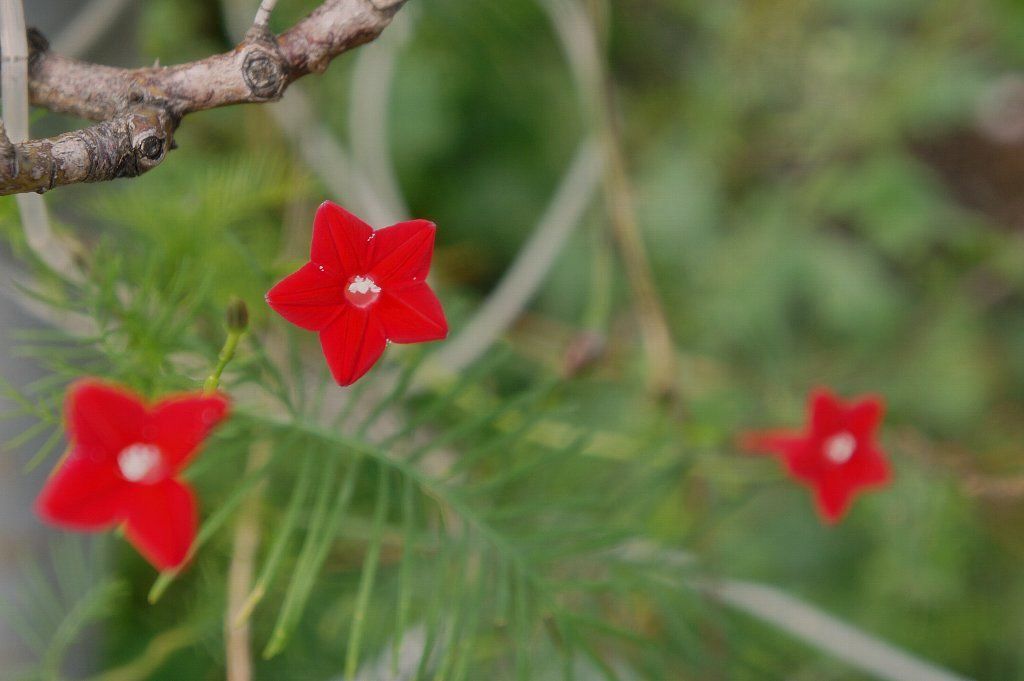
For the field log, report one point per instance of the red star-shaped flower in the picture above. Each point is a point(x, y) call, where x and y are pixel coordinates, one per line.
point(837, 455)
point(362, 288)
point(122, 464)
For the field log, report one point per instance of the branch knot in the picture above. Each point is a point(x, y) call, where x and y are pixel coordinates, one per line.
point(151, 137)
point(264, 71)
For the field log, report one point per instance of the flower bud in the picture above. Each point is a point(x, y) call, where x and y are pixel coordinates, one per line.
point(237, 315)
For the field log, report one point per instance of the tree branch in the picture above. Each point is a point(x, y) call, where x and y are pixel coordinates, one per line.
point(139, 109)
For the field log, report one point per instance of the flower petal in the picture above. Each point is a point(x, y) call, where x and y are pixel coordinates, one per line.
point(310, 297)
point(182, 423)
point(833, 498)
point(103, 419)
point(402, 252)
point(783, 442)
point(865, 415)
point(341, 241)
point(825, 413)
point(352, 344)
point(84, 494)
point(162, 521)
point(869, 468)
point(411, 314)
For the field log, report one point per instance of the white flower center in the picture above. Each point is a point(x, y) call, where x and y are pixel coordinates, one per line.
point(362, 291)
point(138, 461)
point(363, 285)
point(839, 448)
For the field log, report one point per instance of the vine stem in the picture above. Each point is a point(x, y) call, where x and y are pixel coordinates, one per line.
point(238, 653)
point(661, 355)
point(227, 353)
point(237, 635)
point(577, 28)
point(237, 318)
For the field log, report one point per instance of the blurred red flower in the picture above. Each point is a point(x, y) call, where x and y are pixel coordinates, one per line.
point(836, 455)
point(361, 289)
point(122, 465)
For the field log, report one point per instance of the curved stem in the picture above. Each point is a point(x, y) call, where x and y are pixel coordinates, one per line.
point(238, 652)
point(531, 266)
point(581, 43)
point(227, 353)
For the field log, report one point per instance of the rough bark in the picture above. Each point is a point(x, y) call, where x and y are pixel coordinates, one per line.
point(138, 110)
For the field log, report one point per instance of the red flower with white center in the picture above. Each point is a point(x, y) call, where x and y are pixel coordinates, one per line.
point(837, 454)
point(361, 289)
point(122, 465)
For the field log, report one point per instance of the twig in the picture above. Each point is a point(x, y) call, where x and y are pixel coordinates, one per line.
point(240, 573)
point(263, 14)
point(14, 47)
point(139, 109)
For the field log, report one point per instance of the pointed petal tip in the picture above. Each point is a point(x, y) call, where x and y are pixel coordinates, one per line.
point(830, 514)
point(412, 315)
point(310, 297)
point(162, 524)
point(341, 240)
point(830, 520)
point(41, 509)
point(873, 403)
point(824, 396)
point(183, 422)
point(768, 441)
point(419, 224)
point(352, 344)
point(91, 387)
point(81, 495)
point(403, 251)
point(748, 442)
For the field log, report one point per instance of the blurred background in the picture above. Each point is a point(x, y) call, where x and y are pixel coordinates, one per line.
point(830, 193)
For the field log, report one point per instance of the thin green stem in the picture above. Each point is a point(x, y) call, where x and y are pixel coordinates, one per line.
point(227, 353)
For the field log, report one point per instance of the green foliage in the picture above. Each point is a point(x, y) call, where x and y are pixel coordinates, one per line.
point(509, 524)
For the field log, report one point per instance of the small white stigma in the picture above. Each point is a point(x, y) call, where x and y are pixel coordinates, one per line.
point(363, 285)
point(839, 448)
point(137, 461)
